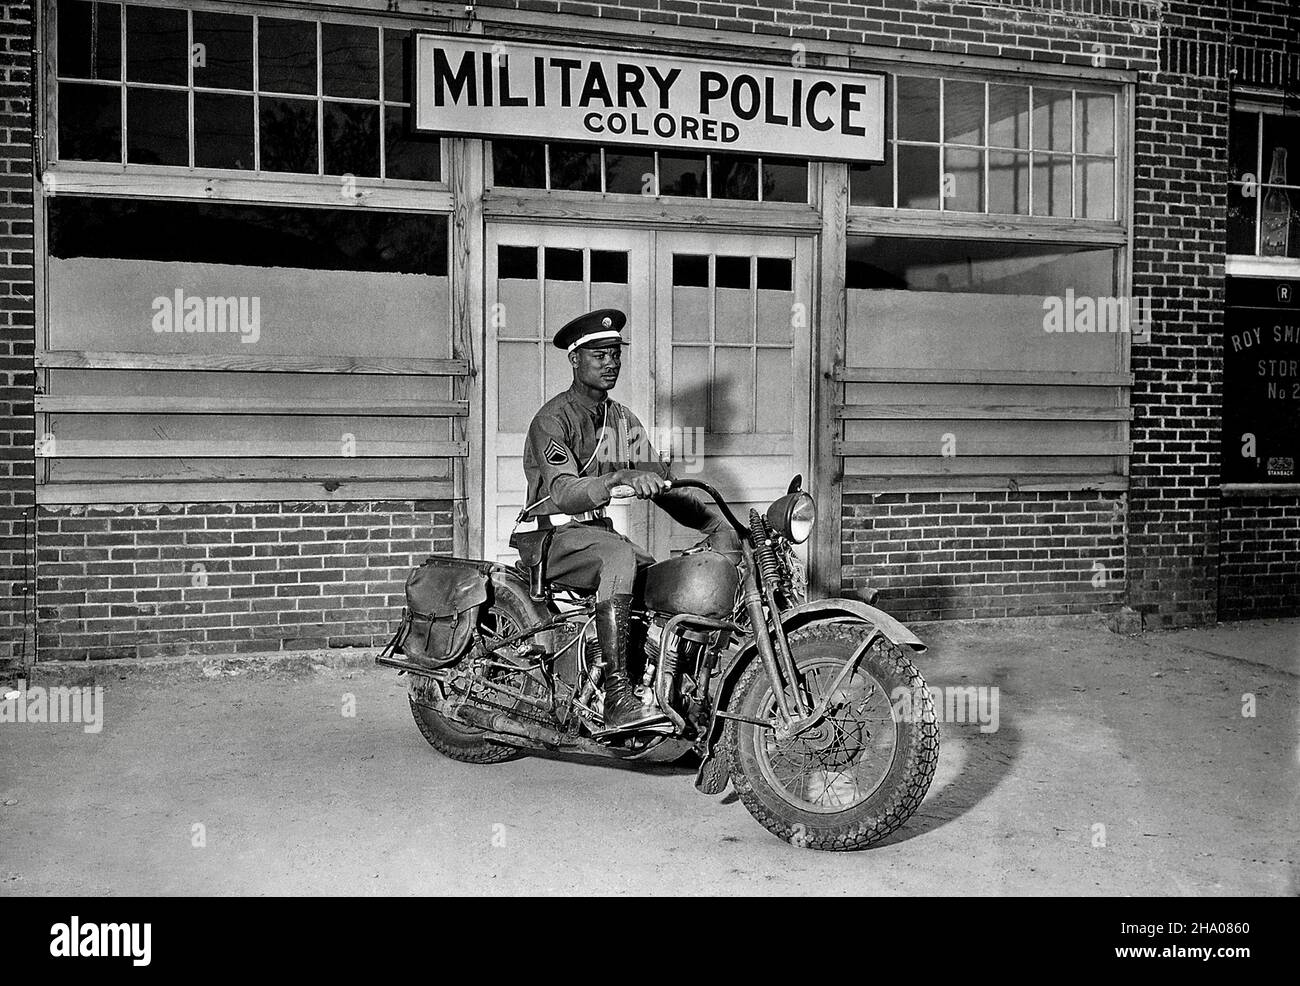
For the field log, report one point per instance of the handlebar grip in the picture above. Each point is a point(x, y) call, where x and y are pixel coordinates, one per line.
point(624, 492)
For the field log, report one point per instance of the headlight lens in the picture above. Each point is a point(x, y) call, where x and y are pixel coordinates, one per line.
point(793, 516)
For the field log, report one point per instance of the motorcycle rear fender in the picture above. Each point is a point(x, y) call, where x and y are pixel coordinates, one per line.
point(818, 611)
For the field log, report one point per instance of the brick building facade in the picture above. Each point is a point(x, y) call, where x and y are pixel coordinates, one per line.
point(225, 572)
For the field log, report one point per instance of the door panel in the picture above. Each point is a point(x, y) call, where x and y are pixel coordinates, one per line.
point(537, 279)
point(732, 375)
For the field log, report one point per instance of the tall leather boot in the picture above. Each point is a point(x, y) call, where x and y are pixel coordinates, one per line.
point(623, 710)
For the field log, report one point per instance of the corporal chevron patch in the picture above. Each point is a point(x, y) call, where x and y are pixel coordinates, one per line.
point(556, 454)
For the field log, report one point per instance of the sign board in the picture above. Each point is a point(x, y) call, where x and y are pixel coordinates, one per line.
point(486, 88)
point(1261, 381)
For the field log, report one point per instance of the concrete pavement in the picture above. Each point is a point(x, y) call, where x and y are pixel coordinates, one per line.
point(1165, 763)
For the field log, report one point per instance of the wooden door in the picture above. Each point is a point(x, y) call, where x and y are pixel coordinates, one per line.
point(537, 279)
point(732, 376)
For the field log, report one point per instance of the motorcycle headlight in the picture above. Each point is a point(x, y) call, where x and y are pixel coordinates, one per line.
point(793, 516)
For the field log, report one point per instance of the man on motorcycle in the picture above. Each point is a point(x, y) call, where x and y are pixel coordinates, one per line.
point(580, 446)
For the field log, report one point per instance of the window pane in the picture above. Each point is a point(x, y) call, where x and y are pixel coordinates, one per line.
point(963, 112)
point(90, 122)
point(1241, 219)
point(562, 264)
point(1051, 119)
point(1243, 145)
point(286, 55)
point(226, 59)
point(1281, 133)
point(1277, 222)
point(963, 180)
point(351, 139)
point(157, 45)
point(288, 135)
point(1009, 183)
point(775, 274)
point(731, 391)
point(516, 263)
point(157, 127)
point(519, 163)
point(397, 78)
point(410, 156)
point(608, 267)
point(690, 270)
point(1096, 124)
point(872, 184)
point(1009, 116)
point(629, 173)
point(735, 177)
point(682, 174)
point(1051, 185)
point(979, 267)
point(918, 108)
point(223, 131)
point(918, 177)
point(575, 167)
point(90, 40)
point(1094, 198)
point(249, 235)
point(784, 181)
point(350, 61)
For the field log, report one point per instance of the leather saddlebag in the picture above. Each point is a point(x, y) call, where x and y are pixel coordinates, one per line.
point(443, 596)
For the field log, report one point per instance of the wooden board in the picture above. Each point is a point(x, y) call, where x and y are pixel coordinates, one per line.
point(79, 359)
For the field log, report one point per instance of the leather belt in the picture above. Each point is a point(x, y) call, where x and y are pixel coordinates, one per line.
point(546, 521)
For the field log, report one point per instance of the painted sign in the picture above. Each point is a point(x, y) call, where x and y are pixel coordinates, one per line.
point(487, 88)
point(1261, 381)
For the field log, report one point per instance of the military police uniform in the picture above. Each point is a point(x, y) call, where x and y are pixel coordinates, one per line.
point(575, 443)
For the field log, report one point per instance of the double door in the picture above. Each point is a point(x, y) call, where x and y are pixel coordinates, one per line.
point(717, 369)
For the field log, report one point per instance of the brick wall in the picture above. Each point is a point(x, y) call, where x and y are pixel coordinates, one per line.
point(173, 579)
point(1180, 199)
point(1259, 557)
point(17, 328)
point(1047, 30)
point(974, 555)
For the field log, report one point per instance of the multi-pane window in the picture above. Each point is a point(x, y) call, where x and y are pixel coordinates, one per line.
point(206, 89)
point(1264, 184)
point(588, 168)
point(732, 342)
point(996, 148)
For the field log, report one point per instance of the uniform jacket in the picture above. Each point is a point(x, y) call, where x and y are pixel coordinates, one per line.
point(563, 439)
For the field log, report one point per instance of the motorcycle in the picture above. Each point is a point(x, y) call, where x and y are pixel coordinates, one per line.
point(812, 710)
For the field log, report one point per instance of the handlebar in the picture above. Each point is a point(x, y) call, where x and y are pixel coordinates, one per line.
point(622, 492)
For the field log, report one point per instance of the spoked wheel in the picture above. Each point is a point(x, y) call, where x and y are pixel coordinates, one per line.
point(858, 774)
point(509, 612)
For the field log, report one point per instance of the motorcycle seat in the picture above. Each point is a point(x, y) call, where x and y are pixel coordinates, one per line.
point(540, 586)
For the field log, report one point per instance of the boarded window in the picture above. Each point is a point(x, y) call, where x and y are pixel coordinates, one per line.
point(203, 342)
point(977, 363)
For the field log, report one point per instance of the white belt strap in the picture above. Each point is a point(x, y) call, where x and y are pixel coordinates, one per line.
point(557, 520)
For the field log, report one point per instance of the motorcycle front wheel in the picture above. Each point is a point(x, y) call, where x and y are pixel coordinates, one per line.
point(863, 770)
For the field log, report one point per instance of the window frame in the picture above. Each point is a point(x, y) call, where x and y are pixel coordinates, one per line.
point(1115, 233)
point(52, 177)
point(1255, 264)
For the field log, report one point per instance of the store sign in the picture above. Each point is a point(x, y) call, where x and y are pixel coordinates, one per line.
point(491, 88)
point(1261, 381)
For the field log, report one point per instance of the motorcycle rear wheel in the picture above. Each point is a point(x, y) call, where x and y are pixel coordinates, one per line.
point(510, 610)
point(858, 775)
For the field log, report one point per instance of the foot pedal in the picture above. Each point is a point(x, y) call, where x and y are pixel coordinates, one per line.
point(657, 720)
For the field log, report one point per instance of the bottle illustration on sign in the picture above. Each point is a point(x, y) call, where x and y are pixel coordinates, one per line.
point(1275, 215)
